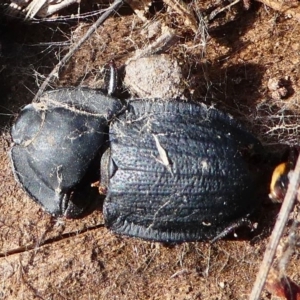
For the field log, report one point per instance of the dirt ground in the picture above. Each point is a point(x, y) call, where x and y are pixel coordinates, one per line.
point(230, 62)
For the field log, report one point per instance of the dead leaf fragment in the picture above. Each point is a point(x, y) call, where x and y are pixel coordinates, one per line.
point(281, 286)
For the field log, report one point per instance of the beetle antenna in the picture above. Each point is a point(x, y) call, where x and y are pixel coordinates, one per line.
point(113, 78)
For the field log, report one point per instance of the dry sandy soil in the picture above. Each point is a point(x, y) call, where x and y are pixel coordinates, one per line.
point(229, 63)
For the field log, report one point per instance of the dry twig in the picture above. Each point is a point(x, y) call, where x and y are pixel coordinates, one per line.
point(286, 208)
point(182, 9)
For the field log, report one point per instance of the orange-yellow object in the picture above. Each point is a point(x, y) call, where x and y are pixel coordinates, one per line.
point(279, 182)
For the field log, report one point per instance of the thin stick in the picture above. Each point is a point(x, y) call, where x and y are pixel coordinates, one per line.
point(282, 218)
point(54, 73)
point(218, 10)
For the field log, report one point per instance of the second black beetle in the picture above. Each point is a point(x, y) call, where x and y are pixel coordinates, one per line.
point(174, 171)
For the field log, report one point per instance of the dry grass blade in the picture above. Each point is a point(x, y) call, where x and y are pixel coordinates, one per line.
point(277, 233)
point(182, 9)
point(34, 7)
point(53, 8)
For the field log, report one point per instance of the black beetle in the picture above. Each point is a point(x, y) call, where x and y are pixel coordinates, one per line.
point(174, 171)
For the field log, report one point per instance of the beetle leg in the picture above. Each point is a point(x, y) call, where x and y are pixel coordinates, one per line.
point(230, 228)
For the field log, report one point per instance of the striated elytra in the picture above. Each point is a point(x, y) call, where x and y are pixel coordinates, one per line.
point(174, 171)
